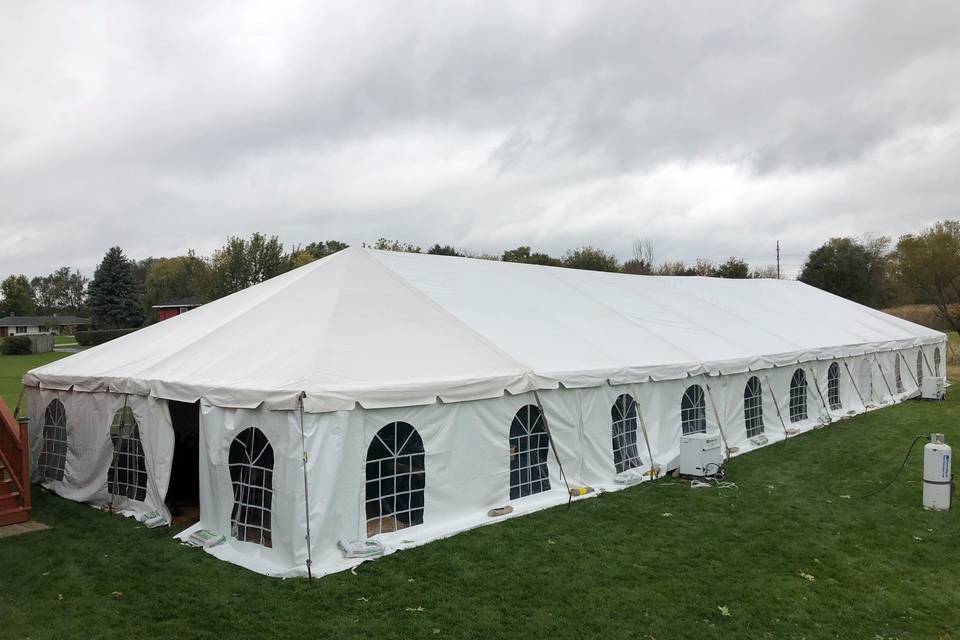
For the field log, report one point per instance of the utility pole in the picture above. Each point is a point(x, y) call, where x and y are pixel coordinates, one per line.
point(778, 259)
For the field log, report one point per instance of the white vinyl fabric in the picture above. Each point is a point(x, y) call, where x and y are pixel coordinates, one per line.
point(389, 329)
point(454, 348)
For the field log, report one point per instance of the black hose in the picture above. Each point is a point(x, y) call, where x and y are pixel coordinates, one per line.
point(897, 475)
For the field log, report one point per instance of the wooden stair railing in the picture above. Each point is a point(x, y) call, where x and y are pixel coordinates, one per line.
point(14, 468)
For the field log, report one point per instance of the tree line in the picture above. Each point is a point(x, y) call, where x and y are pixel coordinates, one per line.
point(921, 268)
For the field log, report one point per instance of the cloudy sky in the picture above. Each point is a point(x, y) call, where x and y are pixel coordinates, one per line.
point(710, 128)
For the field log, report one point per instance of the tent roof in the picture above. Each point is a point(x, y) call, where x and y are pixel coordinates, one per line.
point(394, 329)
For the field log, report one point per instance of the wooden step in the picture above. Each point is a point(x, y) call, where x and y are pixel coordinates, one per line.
point(10, 501)
point(7, 487)
point(13, 516)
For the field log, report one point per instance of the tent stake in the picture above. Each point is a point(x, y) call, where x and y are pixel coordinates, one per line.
point(854, 383)
point(546, 427)
point(716, 414)
point(776, 405)
point(306, 490)
point(654, 474)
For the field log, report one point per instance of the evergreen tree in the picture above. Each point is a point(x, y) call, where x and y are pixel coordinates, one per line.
point(114, 296)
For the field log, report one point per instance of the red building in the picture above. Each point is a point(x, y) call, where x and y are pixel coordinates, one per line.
point(172, 308)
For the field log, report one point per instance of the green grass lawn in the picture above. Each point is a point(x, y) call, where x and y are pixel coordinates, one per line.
point(61, 341)
point(12, 369)
point(787, 556)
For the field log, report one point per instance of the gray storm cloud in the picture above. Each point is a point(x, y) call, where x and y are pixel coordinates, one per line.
point(712, 129)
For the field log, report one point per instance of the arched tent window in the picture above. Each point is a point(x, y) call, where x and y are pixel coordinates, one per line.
point(920, 368)
point(693, 411)
point(753, 407)
point(896, 372)
point(865, 382)
point(833, 387)
point(529, 446)
point(936, 362)
point(128, 473)
point(53, 455)
point(624, 414)
point(396, 478)
point(798, 396)
point(251, 473)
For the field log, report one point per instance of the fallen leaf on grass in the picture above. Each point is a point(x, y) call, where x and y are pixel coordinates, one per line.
point(117, 595)
point(418, 609)
point(666, 515)
point(807, 576)
point(846, 497)
point(724, 611)
point(550, 541)
point(362, 599)
point(59, 596)
point(918, 538)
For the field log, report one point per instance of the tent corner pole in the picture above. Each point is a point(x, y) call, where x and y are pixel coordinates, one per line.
point(306, 489)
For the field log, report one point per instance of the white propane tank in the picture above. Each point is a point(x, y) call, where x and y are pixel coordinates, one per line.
point(937, 474)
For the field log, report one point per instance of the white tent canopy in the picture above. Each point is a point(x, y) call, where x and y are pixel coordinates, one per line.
point(428, 384)
point(389, 329)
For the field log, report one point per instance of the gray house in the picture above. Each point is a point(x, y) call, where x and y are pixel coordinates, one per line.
point(33, 325)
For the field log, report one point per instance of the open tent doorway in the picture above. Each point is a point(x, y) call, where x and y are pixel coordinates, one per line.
point(183, 494)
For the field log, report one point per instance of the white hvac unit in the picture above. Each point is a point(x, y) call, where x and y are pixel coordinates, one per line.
point(700, 454)
point(933, 388)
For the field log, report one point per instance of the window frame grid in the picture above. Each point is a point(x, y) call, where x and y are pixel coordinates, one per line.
point(753, 407)
point(251, 477)
point(528, 449)
point(693, 411)
point(406, 506)
point(833, 387)
point(936, 362)
point(53, 454)
point(127, 476)
point(919, 368)
point(624, 428)
point(799, 410)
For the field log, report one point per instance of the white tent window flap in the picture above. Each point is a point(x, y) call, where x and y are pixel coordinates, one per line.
point(753, 407)
point(128, 474)
point(529, 446)
point(798, 396)
point(53, 456)
point(251, 473)
point(833, 387)
point(396, 478)
point(936, 362)
point(896, 372)
point(693, 411)
point(919, 368)
point(624, 414)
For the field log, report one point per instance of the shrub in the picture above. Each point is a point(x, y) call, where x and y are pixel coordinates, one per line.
point(16, 346)
point(99, 336)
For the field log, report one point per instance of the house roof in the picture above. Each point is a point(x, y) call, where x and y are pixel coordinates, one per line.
point(179, 302)
point(389, 329)
point(33, 321)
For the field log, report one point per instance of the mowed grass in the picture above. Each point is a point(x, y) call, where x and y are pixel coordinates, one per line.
point(12, 369)
point(791, 553)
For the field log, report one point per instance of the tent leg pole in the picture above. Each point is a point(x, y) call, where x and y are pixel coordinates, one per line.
point(884, 376)
point(776, 405)
point(546, 427)
point(820, 395)
point(854, 383)
point(306, 488)
point(716, 414)
point(654, 474)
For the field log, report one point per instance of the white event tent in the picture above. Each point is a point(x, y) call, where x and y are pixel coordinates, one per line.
point(401, 397)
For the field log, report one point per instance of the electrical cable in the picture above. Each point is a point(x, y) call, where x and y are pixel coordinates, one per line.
point(897, 475)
